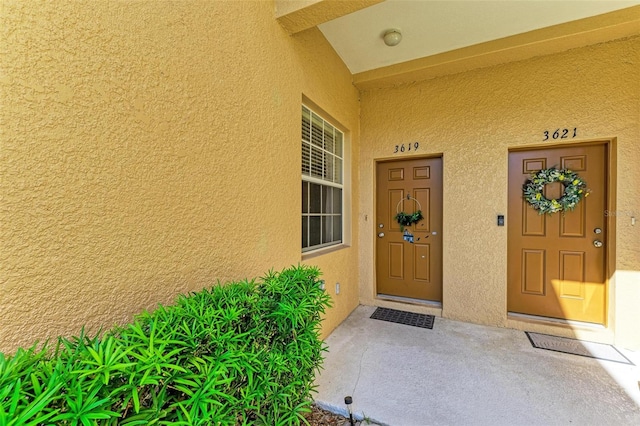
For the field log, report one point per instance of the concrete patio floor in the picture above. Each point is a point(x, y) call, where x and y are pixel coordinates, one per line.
point(466, 374)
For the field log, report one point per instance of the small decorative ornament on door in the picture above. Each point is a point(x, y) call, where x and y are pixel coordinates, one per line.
point(574, 190)
point(408, 219)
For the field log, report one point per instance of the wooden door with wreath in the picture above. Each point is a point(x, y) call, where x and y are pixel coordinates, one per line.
point(409, 257)
point(557, 236)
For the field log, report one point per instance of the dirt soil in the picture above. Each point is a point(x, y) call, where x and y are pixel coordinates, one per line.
point(320, 417)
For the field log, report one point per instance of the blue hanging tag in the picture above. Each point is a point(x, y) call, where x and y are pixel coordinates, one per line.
point(407, 236)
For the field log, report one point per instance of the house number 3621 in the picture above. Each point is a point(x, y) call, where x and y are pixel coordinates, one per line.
point(407, 147)
point(560, 134)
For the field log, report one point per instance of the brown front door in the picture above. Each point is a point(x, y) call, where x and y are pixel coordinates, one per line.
point(555, 268)
point(409, 269)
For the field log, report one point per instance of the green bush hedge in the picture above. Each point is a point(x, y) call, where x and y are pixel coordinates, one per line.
point(244, 353)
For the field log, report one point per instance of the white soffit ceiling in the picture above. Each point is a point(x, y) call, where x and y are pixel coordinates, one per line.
point(430, 27)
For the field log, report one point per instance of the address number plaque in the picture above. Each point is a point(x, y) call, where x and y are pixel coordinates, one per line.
point(407, 147)
point(560, 134)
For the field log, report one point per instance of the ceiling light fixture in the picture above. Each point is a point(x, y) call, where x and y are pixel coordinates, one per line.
point(392, 37)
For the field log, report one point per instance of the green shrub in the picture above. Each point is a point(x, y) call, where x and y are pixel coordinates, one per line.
point(244, 353)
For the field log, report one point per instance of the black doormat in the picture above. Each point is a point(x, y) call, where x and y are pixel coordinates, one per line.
point(577, 347)
point(402, 317)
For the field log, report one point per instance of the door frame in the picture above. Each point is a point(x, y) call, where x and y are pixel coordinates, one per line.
point(610, 184)
point(373, 231)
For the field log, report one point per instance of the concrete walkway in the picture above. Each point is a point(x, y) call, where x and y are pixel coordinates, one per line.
point(465, 374)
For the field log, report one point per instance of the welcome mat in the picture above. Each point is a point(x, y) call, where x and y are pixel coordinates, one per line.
point(577, 347)
point(402, 317)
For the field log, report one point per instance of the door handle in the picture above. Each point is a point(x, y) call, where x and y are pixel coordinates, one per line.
point(380, 235)
point(597, 243)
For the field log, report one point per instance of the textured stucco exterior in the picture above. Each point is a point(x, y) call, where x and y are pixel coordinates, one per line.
point(472, 119)
point(149, 149)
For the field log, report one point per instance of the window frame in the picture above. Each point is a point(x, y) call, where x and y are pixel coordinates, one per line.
point(336, 181)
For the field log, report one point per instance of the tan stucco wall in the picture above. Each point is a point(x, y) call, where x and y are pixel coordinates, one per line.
point(473, 119)
point(149, 149)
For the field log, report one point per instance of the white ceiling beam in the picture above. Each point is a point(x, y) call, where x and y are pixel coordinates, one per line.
point(299, 15)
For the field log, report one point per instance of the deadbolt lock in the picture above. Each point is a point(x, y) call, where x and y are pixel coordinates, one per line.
point(597, 231)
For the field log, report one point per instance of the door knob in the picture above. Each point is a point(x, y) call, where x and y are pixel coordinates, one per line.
point(380, 235)
point(597, 243)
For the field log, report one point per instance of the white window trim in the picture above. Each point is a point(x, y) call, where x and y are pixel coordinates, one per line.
point(346, 185)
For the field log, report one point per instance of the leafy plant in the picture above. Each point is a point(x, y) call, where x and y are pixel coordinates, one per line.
point(408, 219)
point(244, 353)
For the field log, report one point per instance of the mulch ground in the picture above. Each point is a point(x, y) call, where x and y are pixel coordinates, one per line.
point(320, 417)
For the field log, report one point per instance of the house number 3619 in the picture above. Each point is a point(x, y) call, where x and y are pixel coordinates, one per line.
point(407, 147)
point(560, 134)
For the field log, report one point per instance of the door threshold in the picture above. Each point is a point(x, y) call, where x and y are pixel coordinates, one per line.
point(555, 321)
point(409, 300)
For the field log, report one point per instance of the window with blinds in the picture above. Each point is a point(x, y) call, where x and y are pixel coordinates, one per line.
point(322, 162)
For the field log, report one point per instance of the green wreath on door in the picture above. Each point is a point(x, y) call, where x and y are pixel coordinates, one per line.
point(408, 219)
point(575, 189)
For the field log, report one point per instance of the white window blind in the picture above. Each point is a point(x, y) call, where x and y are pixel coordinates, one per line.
point(321, 148)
